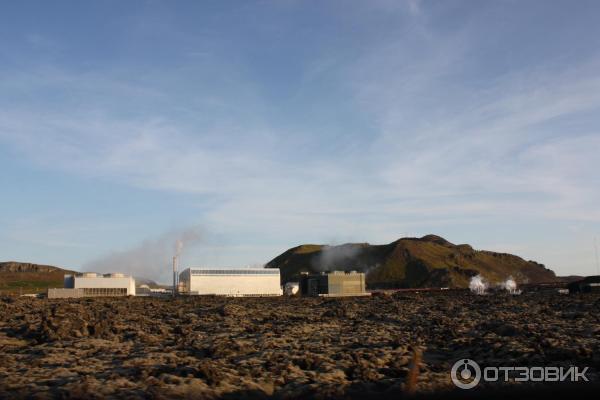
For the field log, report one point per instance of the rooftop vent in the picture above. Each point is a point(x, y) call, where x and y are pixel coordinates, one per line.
point(88, 275)
point(114, 275)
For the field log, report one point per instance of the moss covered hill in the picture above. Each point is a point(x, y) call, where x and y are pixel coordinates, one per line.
point(430, 261)
point(17, 277)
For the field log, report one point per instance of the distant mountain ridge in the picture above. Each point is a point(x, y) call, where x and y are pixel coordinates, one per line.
point(14, 266)
point(429, 261)
point(17, 277)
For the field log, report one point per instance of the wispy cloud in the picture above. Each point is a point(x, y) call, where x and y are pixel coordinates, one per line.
point(442, 142)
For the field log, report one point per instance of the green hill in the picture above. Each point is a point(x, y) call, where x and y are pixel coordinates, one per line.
point(430, 261)
point(17, 277)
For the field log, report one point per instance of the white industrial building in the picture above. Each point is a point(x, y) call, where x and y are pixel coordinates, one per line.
point(91, 284)
point(230, 282)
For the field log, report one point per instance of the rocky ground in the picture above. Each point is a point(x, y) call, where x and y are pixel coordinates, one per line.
point(209, 347)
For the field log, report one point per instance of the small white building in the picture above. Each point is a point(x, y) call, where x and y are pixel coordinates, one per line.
point(145, 290)
point(230, 281)
point(91, 284)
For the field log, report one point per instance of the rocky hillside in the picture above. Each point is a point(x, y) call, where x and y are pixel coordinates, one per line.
point(13, 266)
point(430, 261)
point(17, 277)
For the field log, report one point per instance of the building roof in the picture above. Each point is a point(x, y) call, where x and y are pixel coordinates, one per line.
point(97, 275)
point(233, 271)
point(586, 280)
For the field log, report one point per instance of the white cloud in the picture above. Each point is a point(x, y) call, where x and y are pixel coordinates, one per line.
point(443, 149)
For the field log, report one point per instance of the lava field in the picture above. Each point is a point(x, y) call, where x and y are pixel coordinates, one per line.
point(286, 347)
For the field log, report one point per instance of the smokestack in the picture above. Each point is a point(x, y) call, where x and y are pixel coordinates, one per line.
point(596, 248)
point(174, 276)
point(178, 249)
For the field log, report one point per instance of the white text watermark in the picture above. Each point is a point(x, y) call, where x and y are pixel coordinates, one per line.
point(466, 374)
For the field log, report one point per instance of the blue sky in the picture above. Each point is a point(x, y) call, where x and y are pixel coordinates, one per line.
point(264, 125)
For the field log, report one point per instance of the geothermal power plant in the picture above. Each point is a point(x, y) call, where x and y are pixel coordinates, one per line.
point(289, 274)
point(230, 282)
point(226, 330)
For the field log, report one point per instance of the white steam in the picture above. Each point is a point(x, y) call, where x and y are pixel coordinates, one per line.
point(151, 259)
point(178, 247)
point(510, 286)
point(478, 285)
point(291, 288)
point(339, 257)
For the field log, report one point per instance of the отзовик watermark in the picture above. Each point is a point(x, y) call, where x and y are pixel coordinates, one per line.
point(466, 374)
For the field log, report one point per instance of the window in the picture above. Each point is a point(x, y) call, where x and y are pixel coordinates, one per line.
point(234, 272)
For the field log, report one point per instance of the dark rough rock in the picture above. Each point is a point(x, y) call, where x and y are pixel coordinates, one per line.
point(210, 347)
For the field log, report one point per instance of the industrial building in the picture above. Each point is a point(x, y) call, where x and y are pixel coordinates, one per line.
point(585, 285)
point(230, 282)
point(91, 284)
point(336, 283)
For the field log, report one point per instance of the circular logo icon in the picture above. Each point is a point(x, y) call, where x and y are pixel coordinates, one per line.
point(465, 374)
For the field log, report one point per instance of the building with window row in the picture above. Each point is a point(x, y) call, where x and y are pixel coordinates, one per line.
point(230, 281)
point(91, 284)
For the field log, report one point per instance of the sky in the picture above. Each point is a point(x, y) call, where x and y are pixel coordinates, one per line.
point(262, 125)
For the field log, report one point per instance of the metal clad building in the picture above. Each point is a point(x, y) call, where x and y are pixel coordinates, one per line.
point(336, 283)
point(91, 284)
point(230, 281)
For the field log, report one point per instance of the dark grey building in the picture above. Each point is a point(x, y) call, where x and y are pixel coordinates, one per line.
point(587, 284)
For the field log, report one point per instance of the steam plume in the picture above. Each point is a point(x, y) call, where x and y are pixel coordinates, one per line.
point(178, 247)
point(510, 285)
point(151, 258)
point(478, 285)
point(336, 257)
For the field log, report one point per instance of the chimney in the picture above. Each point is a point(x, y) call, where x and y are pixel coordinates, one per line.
point(174, 276)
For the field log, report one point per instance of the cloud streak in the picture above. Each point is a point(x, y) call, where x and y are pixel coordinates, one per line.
point(410, 128)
